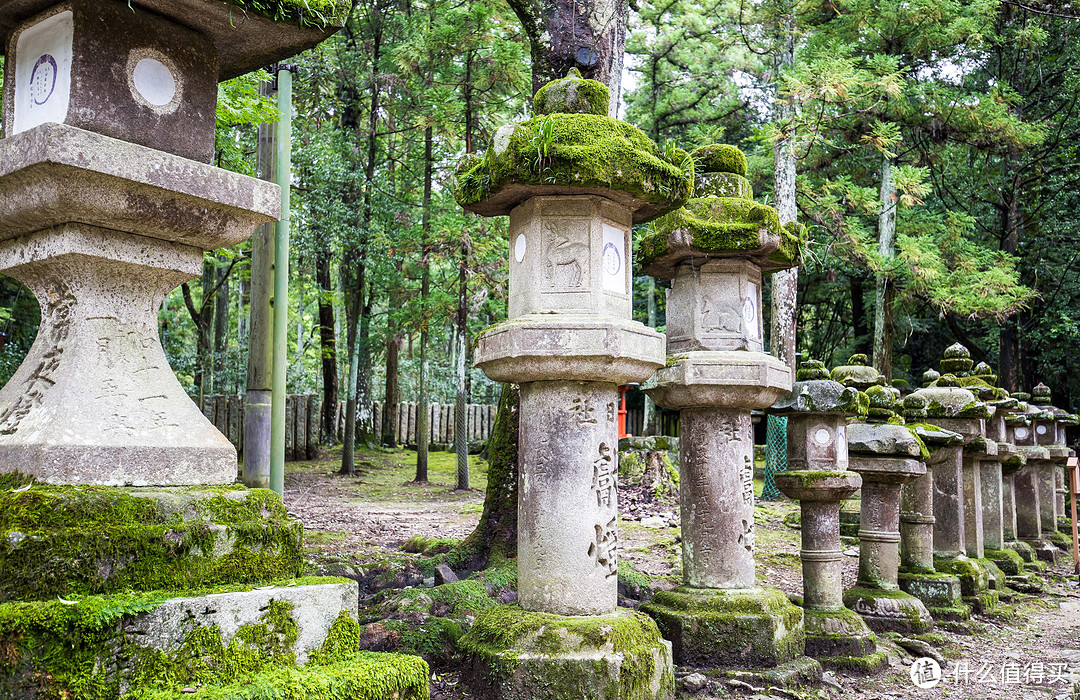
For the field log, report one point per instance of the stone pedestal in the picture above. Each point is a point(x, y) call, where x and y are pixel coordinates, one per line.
point(816, 410)
point(717, 373)
point(939, 591)
point(885, 456)
point(569, 342)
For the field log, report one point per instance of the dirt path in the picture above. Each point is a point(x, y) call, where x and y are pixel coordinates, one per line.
point(1027, 649)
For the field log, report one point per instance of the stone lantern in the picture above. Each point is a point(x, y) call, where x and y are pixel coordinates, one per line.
point(1049, 428)
point(108, 202)
point(957, 491)
point(715, 250)
point(1025, 485)
point(818, 477)
point(918, 576)
point(886, 455)
point(570, 342)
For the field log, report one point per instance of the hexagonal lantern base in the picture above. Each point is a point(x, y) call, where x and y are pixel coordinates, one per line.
point(513, 654)
point(720, 379)
point(752, 626)
point(889, 610)
point(841, 639)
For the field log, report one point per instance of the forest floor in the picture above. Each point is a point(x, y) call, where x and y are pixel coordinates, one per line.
point(357, 525)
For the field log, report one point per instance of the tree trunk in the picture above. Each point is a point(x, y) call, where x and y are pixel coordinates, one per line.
point(785, 283)
point(392, 394)
point(649, 421)
point(883, 299)
point(221, 328)
point(583, 34)
point(348, 451)
point(495, 537)
point(328, 341)
point(461, 443)
point(858, 317)
point(423, 418)
point(1009, 343)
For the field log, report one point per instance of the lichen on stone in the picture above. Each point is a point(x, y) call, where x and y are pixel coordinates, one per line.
point(317, 14)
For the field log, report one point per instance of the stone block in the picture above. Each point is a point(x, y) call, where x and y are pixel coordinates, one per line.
point(939, 592)
point(55, 174)
point(63, 541)
point(716, 306)
point(720, 379)
point(134, 76)
point(570, 255)
point(718, 627)
point(837, 633)
point(512, 654)
point(572, 348)
point(255, 41)
point(889, 610)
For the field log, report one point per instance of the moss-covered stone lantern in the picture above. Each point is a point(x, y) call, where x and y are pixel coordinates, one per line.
point(108, 204)
point(714, 250)
point(958, 533)
point(1049, 428)
point(886, 455)
point(817, 409)
point(573, 182)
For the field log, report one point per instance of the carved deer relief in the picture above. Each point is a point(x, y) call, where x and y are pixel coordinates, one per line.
point(714, 317)
point(566, 259)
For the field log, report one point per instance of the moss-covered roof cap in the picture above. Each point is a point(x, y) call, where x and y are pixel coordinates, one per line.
point(821, 396)
point(949, 402)
point(858, 373)
point(721, 221)
point(248, 34)
point(572, 95)
point(564, 153)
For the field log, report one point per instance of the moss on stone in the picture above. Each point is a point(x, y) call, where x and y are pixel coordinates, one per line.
point(97, 539)
point(572, 95)
point(515, 653)
point(719, 158)
point(714, 627)
point(869, 664)
point(80, 650)
point(365, 676)
point(723, 226)
point(578, 150)
point(318, 14)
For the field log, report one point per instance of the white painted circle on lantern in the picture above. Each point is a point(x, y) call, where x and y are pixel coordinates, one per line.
point(520, 245)
point(1021, 433)
point(154, 81)
point(1040, 429)
point(822, 436)
point(613, 273)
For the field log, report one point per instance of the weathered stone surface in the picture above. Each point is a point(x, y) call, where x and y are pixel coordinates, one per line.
point(837, 633)
point(717, 498)
point(245, 40)
point(858, 374)
point(715, 305)
point(314, 608)
point(720, 379)
point(96, 65)
point(745, 627)
point(568, 503)
point(939, 592)
point(889, 610)
point(820, 396)
point(55, 174)
point(882, 439)
point(569, 347)
point(516, 655)
point(95, 401)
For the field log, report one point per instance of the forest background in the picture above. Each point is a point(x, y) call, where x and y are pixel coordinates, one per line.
point(935, 144)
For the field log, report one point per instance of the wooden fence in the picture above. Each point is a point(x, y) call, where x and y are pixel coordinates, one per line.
point(479, 419)
point(301, 420)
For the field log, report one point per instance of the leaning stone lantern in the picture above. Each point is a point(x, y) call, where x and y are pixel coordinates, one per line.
point(957, 493)
point(817, 409)
point(886, 455)
point(715, 250)
point(570, 342)
point(107, 202)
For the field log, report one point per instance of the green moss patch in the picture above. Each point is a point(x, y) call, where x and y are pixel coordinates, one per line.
point(758, 627)
point(317, 14)
point(64, 540)
point(572, 95)
point(719, 158)
point(515, 653)
point(575, 151)
point(365, 676)
point(82, 649)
